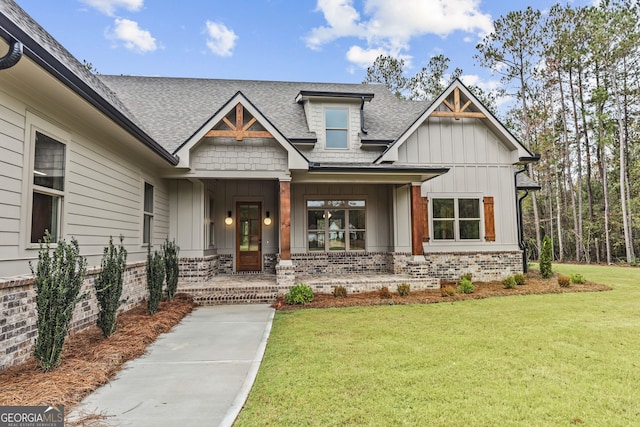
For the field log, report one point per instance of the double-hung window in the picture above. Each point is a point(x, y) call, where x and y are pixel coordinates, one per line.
point(336, 225)
point(456, 219)
point(48, 187)
point(210, 223)
point(147, 215)
point(337, 128)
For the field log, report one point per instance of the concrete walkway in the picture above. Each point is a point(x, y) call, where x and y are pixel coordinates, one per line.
point(199, 374)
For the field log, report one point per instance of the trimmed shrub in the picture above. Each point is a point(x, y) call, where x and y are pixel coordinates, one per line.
point(509, 282)
point(465, 286)
point(520, 279)
point(58, 280)
point(339, 292)
point(564, 281)
point(155, 280)
point(577, 278)
point(108, 286)
point(299, 294)
point(384, 293)
point(170, 254)
point(546, 256)
point(467, 276)
point(404, 289)
point(447, 291)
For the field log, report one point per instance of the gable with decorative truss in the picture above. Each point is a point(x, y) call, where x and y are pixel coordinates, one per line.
point(241, 120)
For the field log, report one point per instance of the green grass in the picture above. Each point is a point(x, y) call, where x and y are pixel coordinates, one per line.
point(538, 360)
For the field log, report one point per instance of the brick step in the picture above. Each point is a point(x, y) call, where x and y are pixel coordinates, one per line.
point(214, 295)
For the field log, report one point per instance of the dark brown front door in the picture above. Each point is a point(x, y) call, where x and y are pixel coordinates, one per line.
point(249, 236)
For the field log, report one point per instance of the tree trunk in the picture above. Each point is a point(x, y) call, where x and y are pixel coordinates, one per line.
point(587, 150)
point(577, 216)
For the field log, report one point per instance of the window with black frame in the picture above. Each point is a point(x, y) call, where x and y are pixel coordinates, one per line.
point(336, 225)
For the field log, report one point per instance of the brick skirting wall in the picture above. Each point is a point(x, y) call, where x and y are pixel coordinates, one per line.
point(484, 266)
point(342, 263)
point(18, 312)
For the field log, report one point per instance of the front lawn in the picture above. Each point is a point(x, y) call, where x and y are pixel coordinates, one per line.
point(537, 360)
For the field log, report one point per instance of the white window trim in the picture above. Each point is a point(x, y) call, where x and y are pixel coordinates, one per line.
point(324, 113)
point(456, 229)
point(33, 124)
point(210, 222)
point(146, 213)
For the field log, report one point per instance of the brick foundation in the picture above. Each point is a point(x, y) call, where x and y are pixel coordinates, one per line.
point(18, 312)
point(484, 266)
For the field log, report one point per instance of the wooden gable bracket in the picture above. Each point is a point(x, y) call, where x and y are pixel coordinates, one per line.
point(456, 111)
point(239, 130)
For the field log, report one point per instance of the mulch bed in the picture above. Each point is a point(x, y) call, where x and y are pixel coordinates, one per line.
point(89, 360)
point(535, 284)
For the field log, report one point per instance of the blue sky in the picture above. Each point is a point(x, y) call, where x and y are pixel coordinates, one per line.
point(291, 40)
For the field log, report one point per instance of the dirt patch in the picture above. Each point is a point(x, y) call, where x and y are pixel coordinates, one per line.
point(89, 360)
point(535, 284)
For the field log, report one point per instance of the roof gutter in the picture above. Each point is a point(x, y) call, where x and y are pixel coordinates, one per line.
point(362, 129)
point(10, 32)
point(13, 55)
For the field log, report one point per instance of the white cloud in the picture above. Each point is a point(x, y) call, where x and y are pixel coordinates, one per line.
point(133, 37)
point(221, 40)
point(109, 7)
point(390, 25)
point(364, 57)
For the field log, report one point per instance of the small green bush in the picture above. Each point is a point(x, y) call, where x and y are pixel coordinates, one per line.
point(170, 254)
point(467, 276)
point(577, 278)
point(546, 256)
point(404, 289)
point(564, 281)
point(299, 294)
point(465, 286)
point(58, 280)
point(384, 293)
point(340, 292)
point(108, 286)
point(155, 280)
point(520, 279)
point(447, 291)
point(509, 282)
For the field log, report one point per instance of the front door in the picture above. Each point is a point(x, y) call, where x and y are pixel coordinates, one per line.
point(249, 236)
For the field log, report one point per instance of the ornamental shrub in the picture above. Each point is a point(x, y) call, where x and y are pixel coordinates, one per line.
point(155, 280)
point(170, 253)
point(564, 281)
point(520, 279)
point(108, 286)
point(447, 291)
point(577, 278)
point(546, 256)
point(299, 294)
point(509, 282)
point(465, 286)
point(384, 293)
point(58, 280)
point(404, 289)
point(467, 276)
point(340, 292)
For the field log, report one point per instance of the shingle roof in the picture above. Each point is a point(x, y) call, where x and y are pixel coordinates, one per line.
point(172, 109)
point(523, 182)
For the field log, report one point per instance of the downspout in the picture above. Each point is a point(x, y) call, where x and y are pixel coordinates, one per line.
point(521, 242)
point(362, 129)
point(13, 56)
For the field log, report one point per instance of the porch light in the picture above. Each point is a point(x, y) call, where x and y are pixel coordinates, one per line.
point(267, 220)
point(228, 220)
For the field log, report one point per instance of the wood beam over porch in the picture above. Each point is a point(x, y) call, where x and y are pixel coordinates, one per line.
point(285, 220)
point(417, 227)
point(456, 111)
point(239, 130)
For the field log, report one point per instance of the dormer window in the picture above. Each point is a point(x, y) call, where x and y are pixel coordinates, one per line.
point(337, 128)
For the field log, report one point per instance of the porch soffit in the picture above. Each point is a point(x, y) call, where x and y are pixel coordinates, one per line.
point(240, 119)
point(370, 174)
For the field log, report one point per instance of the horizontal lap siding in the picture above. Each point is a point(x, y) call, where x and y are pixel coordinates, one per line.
point(12, 121)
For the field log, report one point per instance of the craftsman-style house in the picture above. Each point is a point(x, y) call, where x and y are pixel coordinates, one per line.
point(289, 180)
